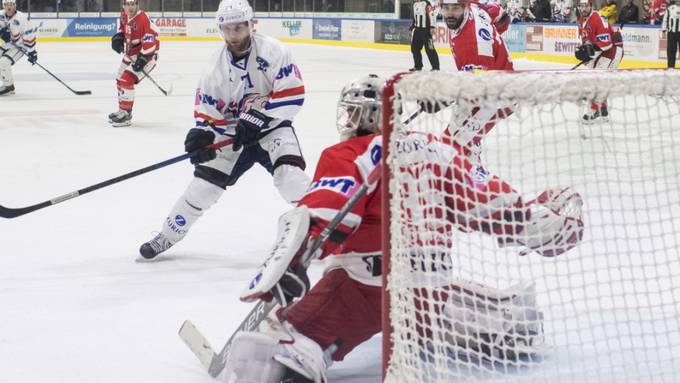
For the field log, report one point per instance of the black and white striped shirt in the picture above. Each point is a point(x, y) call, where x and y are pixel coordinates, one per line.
point(423, 14)
point(671, 20)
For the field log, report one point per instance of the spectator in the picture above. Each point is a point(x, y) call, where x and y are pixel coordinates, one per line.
point(654, 11)
point(526, 15)
point(562, 11)
point(609, 11)
point(542, 10)
point(630, 13)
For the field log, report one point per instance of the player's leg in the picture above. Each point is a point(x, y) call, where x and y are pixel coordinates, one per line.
point(125, 83)
point(431, 52)
point(9, 55)
point(416, 47)
point(285, 162)
point(210, 180)
point(671, 47)
point(598, 107)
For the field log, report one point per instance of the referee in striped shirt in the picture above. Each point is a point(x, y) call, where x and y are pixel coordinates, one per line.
point(671, 24)
point(423, 27)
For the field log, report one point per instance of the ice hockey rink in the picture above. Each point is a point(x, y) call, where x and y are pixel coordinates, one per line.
point(77, 304)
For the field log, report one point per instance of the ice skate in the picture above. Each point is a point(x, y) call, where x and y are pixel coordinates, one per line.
point(7, 90)
point(120, 118)
point(596, 115)
point(157, 245)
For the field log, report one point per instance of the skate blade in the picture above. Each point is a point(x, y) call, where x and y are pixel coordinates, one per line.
point(120, 124)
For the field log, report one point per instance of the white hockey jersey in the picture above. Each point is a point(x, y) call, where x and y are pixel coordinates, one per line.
point(18, 30)
point(267, 69)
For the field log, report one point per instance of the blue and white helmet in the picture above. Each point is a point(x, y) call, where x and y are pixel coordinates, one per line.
point(360, 106)
point(233, 11)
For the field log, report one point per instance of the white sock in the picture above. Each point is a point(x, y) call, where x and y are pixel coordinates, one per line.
point(199, 196)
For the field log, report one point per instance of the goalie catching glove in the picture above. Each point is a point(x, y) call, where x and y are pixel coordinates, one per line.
point(282, 275)
point(554, 226)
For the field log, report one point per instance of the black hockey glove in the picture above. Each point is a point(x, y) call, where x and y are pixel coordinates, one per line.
point(248, 128)
point(293, 284)
point(33, 57)
point(140, 63)
point(197, 139)
point(585, 52)
point(118, 42)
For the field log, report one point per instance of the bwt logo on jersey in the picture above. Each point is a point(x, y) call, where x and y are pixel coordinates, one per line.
point(202, 98)
point(484, 34)
point(148, 38)
point(341, 185)
point(603, 37)
point(287, 70)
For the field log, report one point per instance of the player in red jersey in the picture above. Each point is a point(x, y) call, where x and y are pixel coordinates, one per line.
point(475, 44)
point(138, 38)
point(602, 48)
point(343, 309)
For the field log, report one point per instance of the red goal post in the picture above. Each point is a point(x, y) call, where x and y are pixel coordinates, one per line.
point(608, 308)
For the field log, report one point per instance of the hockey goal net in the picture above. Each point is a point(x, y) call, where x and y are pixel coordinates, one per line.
point(464, 303)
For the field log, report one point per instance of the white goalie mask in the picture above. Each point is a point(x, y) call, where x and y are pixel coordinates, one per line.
point(360, 106)
point(233, 11)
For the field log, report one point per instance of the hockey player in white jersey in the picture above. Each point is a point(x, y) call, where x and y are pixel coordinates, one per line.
point(250, 94)
point(17, 34)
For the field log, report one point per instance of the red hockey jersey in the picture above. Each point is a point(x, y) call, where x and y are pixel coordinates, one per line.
point(596, 29)
point(344, 167)
point(476, 44)
point(499, 18)
point(141, 36)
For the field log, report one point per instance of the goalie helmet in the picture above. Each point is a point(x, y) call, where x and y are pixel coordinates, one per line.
point(360, 107)
point(9, 2)
point(233, 11)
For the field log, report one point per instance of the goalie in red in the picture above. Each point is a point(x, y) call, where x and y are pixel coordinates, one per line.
point(343, 309)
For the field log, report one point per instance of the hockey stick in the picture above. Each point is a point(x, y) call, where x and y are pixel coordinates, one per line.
point(165, 92)
point(78, 92)
point(197, 343)
point(6, 212)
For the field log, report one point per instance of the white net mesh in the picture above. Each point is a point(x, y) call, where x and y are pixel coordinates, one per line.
point(465, 305)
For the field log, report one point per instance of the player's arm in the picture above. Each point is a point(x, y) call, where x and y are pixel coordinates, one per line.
point(288, 88)
point(118, 39)
point(550, 224)
point(27, 39)
point(210, 125)
point(148, 46)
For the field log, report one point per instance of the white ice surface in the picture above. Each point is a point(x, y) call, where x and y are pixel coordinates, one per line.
point(76, 303)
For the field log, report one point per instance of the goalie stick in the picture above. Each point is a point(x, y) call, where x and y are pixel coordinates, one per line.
point(7, 212)
point(214, 363)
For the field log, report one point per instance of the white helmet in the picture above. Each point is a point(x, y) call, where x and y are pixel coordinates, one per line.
point(233, 11)
point(9, 2)
point(360, 107)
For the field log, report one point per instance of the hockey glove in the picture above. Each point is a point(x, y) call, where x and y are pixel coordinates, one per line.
point(293, 284)
point(585, 52)
point(33, 57)
point(248, 128)
point(197, 139)
point(140, 63)
point(118, 42)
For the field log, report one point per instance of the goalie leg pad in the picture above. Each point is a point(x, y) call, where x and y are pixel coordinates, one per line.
point(251, 359)
point(290, 239)
point(500, 324)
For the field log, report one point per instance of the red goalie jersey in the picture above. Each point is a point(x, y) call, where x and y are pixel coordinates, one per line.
point(141, 36)
point(476, 44)
point(344, 167)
